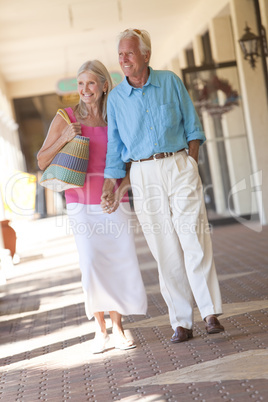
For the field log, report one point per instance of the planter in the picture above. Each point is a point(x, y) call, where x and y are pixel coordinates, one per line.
point(9, 237)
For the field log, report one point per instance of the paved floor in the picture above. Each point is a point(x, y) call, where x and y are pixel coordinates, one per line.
point(46, 337)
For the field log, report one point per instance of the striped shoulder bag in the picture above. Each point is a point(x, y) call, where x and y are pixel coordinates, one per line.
point(68, 168)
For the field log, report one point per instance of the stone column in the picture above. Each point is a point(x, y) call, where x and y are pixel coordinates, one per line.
point(233, 125)
point(253, 91)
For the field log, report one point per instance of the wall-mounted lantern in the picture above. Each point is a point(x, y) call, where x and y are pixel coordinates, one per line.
point(250, 45)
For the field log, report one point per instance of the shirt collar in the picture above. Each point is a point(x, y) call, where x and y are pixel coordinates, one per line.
point(152, 80)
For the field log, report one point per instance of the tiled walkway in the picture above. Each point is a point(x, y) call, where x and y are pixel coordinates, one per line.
point(45, 335)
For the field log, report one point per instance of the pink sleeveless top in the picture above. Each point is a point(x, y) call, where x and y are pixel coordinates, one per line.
point(92, 190)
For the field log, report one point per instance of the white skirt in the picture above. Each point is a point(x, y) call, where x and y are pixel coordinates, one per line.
point(111, 277)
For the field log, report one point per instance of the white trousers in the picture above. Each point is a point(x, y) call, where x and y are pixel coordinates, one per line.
point(169, 203)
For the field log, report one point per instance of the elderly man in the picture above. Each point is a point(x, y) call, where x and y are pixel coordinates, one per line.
point(151, 123)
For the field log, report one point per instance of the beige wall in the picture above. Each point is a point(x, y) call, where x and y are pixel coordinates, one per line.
point(11, 157)
point(227, 19)
point(5, 103)
point(195, 24)
point(253, 90)
point(33, 87)
point(264, 12)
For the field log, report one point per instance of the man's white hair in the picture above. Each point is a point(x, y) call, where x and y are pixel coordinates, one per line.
point(142, 35)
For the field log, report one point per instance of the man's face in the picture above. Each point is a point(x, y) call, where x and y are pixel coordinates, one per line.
point(131, 61)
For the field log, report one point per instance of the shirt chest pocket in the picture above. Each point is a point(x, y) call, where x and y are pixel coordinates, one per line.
point(170, 115)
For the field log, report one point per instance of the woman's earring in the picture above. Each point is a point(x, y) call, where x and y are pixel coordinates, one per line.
point(104, 93)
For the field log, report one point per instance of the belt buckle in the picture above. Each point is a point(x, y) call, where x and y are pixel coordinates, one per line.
point(166, 155)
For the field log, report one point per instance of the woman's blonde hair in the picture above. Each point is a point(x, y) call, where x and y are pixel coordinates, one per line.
point(97, 68)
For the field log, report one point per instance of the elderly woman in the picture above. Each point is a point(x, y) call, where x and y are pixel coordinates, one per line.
point(111, 278)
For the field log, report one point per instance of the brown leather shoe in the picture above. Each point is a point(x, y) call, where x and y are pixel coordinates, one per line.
point(181, 335)
point(213, 325)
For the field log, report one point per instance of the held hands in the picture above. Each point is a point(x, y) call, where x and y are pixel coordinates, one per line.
point(71, 131)
point(109, 202)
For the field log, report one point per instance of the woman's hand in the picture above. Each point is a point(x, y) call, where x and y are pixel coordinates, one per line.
point(71, 131)
point(58, 135)
point(109, 202)
point(112, 207)
point(107, 197)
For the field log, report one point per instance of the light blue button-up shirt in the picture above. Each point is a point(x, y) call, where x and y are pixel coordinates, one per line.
point(160, 117)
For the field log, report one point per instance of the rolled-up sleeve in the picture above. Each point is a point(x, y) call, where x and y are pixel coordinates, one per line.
point(115, 168)
point(192, 126)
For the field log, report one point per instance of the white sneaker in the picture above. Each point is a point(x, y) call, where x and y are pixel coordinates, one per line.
point(99, 343)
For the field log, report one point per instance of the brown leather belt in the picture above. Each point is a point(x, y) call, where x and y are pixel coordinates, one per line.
point(161, 155)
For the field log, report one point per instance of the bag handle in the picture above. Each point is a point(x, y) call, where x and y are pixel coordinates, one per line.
point(64, 115)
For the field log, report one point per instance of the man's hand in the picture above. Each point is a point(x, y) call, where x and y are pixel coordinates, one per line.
point(108, 197)
point(194, 149)
point(108, 202)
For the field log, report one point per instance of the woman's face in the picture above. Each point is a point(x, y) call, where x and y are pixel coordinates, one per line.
point(90, 88)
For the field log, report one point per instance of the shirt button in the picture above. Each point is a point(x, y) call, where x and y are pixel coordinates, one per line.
point(147, 111)
point(155, 144)
point(143, 93)
point(151, 128)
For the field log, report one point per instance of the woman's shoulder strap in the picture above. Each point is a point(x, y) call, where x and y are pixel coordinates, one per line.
point(63, 113)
